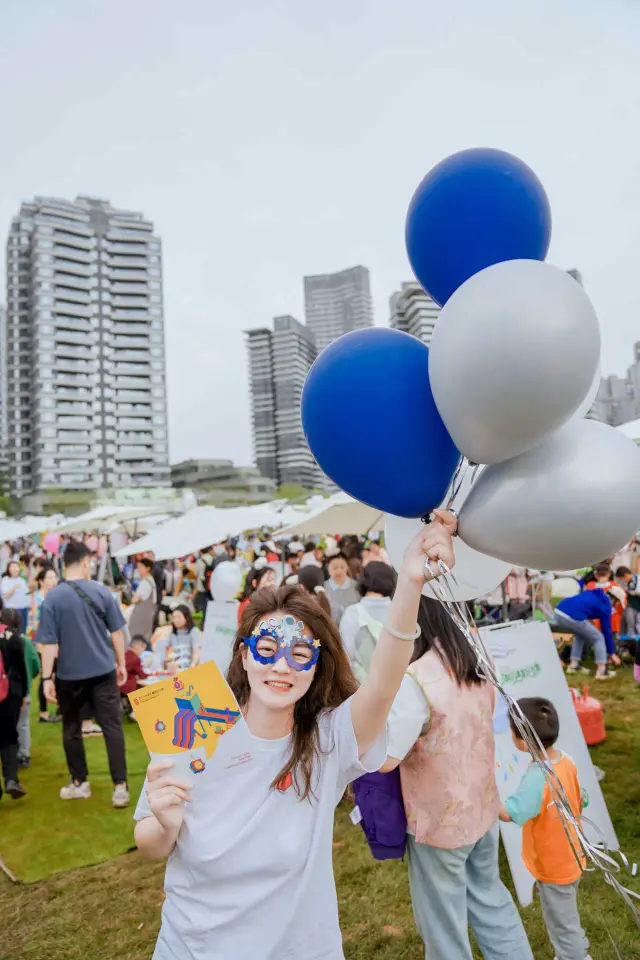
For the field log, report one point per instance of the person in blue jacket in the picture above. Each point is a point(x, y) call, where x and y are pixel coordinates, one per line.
point(574, 615)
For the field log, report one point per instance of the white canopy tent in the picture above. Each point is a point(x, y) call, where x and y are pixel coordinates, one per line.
point(11, 529)
point(103, 519)
point(339, 514)
point(200, 528)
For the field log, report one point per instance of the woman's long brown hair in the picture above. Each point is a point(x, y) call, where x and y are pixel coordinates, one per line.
point(332, 684)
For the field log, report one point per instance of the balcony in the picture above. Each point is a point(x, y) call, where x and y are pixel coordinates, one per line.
point(75, 254)
point(121, 328)
point(73, 350)
point(124, 383)
point(134, 453)
point(131, 409)
point(136, 259)
point(68, 309)
point(73, 436)
point(78, 395)
point(131, 313)
point(74, 408)
point(133, 397)
point(120, 273)
point(137, 369)
point(128, 345)
point(68, 294)
point(87, 339)
point(73, 450)
point(121, 288)
point(66, 363)
point(77, 283)
point(77, 241)
point(83, 326)
point(133, 246)
point(63, 265)
point(119, 300)
point(81, 381)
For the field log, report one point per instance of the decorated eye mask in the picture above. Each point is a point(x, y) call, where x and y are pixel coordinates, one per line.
point(272, 640)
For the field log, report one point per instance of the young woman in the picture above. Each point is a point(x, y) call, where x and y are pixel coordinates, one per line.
point(258, 578)
point(15, 593)
point(250, 873)
point(362, 623)
point(185, 641)
point(341, 590)
point(311, 580)
point(441, 735)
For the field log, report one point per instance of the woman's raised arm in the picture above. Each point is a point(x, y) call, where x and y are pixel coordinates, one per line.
point(372, 702)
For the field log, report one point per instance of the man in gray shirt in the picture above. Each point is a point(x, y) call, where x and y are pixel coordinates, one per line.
point(81, 624)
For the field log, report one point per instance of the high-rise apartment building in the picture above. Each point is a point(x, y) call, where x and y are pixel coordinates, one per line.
point(618, 399)
point(86, 403)
point(336, 303)
point(279, 361)
point(413, 310)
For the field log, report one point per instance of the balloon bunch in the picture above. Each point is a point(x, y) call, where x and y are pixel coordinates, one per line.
point(512, 369)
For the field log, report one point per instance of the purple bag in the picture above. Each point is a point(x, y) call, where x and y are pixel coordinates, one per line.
point(379, 799)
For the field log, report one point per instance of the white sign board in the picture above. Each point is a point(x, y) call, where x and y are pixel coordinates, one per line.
point(219, 632)
point(526, 657)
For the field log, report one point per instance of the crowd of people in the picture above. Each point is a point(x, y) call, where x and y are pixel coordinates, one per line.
point(368, 652)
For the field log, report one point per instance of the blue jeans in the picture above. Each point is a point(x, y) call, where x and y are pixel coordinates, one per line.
point(451, 889)
point(584, 634)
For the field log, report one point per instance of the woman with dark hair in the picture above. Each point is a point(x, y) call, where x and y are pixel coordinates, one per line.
point(441, 736)
point(250, 872)
point(260, 577)
point(362, 623)
point(184, 641)
point(311, 580)
point(13, 679)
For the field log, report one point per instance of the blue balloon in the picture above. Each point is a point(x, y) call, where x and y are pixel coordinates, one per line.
point(476, 208)
point(372, 424)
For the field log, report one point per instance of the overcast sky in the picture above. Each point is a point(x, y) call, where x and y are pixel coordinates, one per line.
point(268, 140)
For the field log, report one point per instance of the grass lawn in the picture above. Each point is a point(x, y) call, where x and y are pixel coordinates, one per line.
point(111, 911)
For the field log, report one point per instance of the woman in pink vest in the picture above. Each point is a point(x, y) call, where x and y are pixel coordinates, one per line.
point(441, 735)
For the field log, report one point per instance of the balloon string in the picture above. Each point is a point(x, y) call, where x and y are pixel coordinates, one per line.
point(459, 477)
point(596, 853)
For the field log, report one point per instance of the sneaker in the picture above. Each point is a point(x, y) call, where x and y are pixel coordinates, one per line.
point(121, 796)
point(578, 670)
point(92, 730)
point(76, 791)
point(50, 718)
point(24, 762)
point(604, 676)
point(15, 790)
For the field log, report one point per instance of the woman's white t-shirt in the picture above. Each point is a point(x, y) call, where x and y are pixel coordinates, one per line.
point(251, 875)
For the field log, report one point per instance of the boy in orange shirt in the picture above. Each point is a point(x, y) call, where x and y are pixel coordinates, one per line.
point(546, 850)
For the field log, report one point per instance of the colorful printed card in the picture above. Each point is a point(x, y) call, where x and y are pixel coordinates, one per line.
point(186, 715)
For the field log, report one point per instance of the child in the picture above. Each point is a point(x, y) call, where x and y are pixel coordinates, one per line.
point(631, 583)
point(546, 850)
point(134, 665)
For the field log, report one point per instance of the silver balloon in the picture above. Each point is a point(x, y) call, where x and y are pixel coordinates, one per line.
point(571, 501)
point(513, 356)
point(475, 574)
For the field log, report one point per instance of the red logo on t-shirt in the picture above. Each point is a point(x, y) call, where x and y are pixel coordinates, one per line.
point(285, 783)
